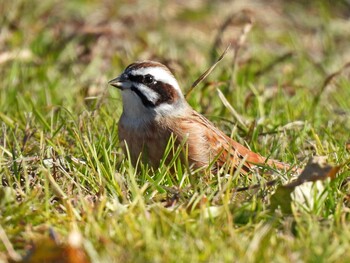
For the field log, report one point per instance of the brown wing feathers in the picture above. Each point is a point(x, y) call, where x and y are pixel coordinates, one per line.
point(225, 149)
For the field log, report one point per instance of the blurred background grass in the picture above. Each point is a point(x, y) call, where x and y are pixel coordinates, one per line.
point(56, 58)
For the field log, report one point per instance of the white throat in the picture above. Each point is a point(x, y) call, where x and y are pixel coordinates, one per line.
point(134, 112)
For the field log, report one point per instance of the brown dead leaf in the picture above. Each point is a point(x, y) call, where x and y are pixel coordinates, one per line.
point(316, 169)
point(347, 146)
point(49, 250)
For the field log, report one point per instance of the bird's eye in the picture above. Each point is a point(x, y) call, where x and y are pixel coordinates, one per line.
point(148, 79)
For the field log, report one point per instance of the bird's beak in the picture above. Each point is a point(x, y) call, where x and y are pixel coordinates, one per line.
point(120, 82)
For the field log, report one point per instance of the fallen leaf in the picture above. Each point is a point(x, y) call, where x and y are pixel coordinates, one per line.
point(316, 169)
point(302, 188)
point(49, 250)
point(347, 146)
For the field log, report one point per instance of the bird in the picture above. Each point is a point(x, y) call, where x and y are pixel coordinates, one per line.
point(155, 110)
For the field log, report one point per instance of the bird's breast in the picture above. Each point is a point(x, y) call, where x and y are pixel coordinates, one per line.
point(148, 141)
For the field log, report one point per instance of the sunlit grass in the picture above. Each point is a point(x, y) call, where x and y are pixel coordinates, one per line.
point(61, 166)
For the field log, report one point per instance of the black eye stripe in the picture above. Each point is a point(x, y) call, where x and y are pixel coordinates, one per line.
point(145, 101)
point(166, 92)
point(144, 79)
point(136, 78)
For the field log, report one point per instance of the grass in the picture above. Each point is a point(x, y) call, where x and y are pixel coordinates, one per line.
point(63, 174)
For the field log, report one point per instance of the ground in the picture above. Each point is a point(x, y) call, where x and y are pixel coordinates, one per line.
point(67, 191)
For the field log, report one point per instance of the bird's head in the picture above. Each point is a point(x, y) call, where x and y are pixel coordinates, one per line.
point(149, 89)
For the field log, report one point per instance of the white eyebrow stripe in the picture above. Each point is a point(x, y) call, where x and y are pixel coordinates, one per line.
point(150, 94)
point(159, 74)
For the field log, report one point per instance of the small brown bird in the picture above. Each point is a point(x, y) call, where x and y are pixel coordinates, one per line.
point(154, 109)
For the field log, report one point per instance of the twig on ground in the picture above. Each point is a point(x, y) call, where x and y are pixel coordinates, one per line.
point(326, 82)
point(256, 186)
point(207, 72)
point(272, 64)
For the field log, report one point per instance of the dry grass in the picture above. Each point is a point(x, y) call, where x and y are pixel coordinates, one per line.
point(66, 185)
